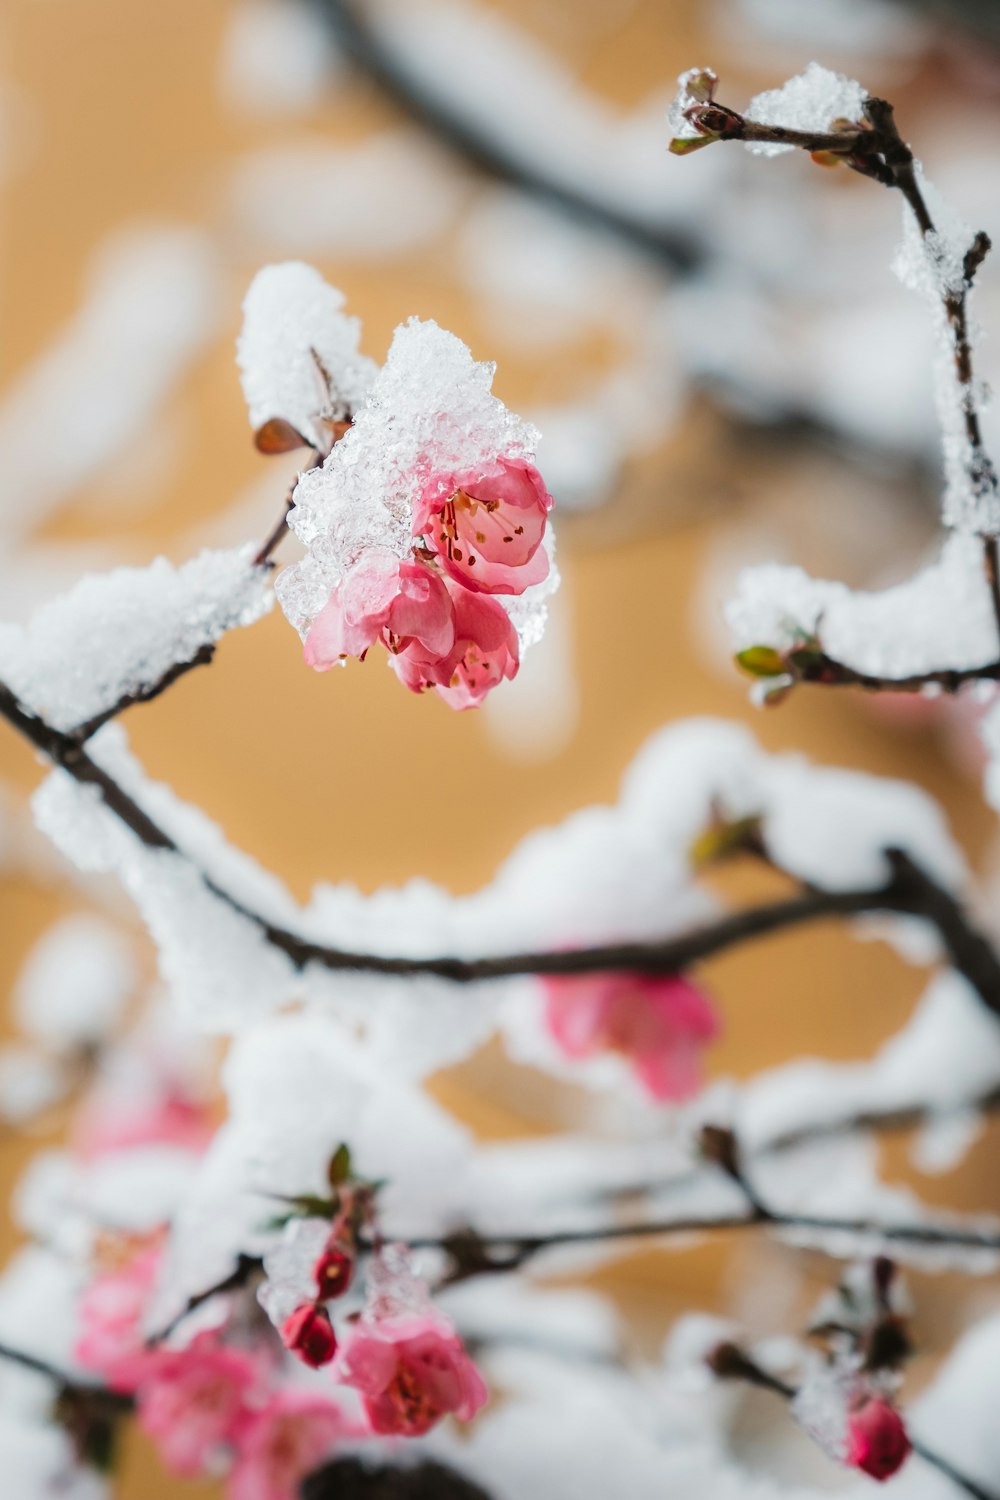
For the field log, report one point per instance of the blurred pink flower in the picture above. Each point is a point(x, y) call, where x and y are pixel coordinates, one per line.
point(294, 1432)
point(661, 1023)
point(110, 1338)
point(173, 1119)
point(877, 1440)
point(382, 598)
point(191, 1400)
point(487, 527)
point(411, 1372)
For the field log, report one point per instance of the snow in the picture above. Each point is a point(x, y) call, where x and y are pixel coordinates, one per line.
point(380, 198)
point(293, 324)
point(942, 618)
point(946, 1057)
point(116, 634)
point(278, 60)
point(149, 305)
point(75, 983)
point(812, 101)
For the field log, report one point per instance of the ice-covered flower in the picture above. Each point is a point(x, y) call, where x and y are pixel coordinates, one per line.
point(191, 1400)
point(291, 1434)
point(487, 526)
point(661, 1023)
point(434, 472)
point(309, 1333)
point(111, 1309)
point(402, 604)
point(411, 1372)
point(483, 653)
point(877, 1440)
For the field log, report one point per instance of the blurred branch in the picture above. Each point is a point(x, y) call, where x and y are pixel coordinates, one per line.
point(908, 890)
point(376, 57)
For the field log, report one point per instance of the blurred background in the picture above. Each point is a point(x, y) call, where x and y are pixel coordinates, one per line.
point(724, 370)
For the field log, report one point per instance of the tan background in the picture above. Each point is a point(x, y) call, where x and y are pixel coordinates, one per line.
point(348, 777)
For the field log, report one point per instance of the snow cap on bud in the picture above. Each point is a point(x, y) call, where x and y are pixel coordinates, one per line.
point(309, 1333)
point(877, 1440)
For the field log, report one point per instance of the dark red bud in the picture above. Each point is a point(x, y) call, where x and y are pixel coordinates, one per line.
point(309, 1333)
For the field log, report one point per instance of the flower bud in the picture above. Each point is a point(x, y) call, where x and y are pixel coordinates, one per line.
point(877, 1441)
point(309, 1333)
point(334, 1272)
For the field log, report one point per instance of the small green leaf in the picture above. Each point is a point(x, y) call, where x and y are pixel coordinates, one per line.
point(683, 145)
point(761, 661)
point(723, 837)
point(339, 1170)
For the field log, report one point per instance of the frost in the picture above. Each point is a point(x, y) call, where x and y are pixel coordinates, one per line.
point(429, 415)
point(933, 265)
point(812, 101)
point(298, 352)
point(116, 634)
point(290, 1268)
point(75, 983)
point(692, 88)
point(941, 618)
point(821, 1402)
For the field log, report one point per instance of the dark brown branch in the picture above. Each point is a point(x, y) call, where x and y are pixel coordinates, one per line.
point(202, 657)
point(908, 890)
point(65, 1381)
point(277, 534)
point(730, 1362)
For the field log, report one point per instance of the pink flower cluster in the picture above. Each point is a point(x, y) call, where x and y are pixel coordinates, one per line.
point(475, 536)
point(661, 1023)
point(217, 1401)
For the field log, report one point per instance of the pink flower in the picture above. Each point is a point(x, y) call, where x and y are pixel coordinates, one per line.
point(277, 1445)
point(411, 1372)
point(877, 1441)
point(111, 1339)
point(172, 1120)
point(487, 526)
point(660, 1022)
point(192, 1400)
point(485, 651)
point(382, 598)
point(308, 1333)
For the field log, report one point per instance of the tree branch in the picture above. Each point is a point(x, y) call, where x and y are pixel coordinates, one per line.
point(202, 658)
point(908, 890)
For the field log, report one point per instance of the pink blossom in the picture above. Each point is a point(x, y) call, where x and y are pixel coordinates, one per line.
point(111, 1339)
point(291, 1434)
point(660, 1022)
point(485, 651)
point(877, 1440)
point(309, 1333)
point(487, 526)
point(171, 1120)
point(192, 1400)
point(382, 598)
point(411, 1372)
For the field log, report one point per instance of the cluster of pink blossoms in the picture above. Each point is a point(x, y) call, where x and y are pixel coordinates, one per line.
point(224, 1401)
point(660, 1022)
point(475, 536)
